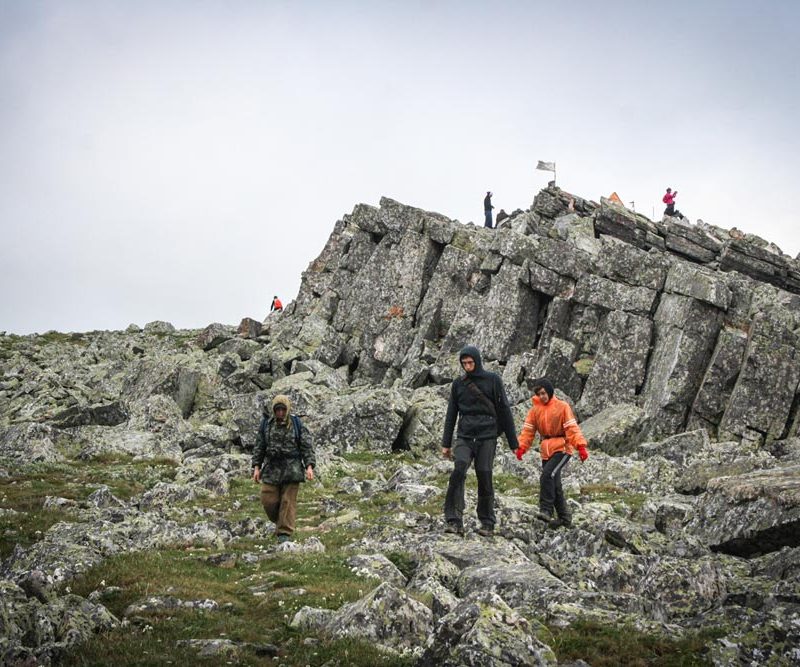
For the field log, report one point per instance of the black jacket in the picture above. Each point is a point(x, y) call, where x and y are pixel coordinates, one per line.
point(476, 419)
point(487, 206)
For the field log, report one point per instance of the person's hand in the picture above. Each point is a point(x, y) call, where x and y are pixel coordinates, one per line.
point(583, 452)
point(519, 453)
point(309, 473)
point(447, 453)
point(256, 474)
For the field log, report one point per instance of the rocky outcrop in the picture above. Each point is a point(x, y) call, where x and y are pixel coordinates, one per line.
point(751, 514)
point(652, 315)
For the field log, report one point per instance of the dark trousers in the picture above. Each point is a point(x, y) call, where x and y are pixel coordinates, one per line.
point(551, 495)
point(670, 210)
point(488, 221)
point(465, 451)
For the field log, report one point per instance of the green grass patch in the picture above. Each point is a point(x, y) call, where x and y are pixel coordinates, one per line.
point(583, 367)
point(257, 602)
point(26, 527)
point(59, 338)
point(404, 562)
point(614, 495)
point(26, 491)
point(610, 646)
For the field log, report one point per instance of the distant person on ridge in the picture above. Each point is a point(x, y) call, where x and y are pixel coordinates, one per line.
point(669, 200)
point(479, 401)
point(487, 210)
point(283, 457)
point(560, 436)
point(276, 304)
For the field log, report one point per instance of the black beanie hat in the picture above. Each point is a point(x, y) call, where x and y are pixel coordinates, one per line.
point(544, 383)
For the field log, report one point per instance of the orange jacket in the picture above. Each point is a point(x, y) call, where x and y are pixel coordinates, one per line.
point(557, 426)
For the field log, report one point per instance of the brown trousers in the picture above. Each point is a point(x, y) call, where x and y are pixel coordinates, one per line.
point(280, 504)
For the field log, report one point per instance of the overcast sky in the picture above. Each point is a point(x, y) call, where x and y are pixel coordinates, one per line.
point(186, 160)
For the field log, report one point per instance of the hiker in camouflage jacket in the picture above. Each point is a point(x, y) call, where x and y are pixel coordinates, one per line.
point(283, 457)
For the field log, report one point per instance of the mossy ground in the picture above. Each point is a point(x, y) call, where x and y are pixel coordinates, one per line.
point(27, 488)
point(608, 646)
point(258, 599)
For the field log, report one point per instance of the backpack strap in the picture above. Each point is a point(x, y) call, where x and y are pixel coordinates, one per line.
point(477, 391)
point(298, 427)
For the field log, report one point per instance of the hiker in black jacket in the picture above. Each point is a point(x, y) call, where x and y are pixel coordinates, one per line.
point(479, 401)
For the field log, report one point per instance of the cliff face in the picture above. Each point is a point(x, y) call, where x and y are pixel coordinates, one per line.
point(696, 325)
point(677, 344)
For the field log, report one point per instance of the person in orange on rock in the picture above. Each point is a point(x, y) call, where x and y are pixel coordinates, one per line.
point(560, 436)
point(276, 304)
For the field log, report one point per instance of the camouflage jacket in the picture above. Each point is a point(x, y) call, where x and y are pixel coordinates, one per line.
point(277, 453)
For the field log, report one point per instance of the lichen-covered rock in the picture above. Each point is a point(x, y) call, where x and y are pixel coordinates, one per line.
point(762, 398)
point(35, 632)
point(31, 443)
point(483, 631)
point(387, 616)
point(159, 327)
point(168, 603)
point(615, 429)
point(249, 328)
point(685, 334)
point(376, 566)
point(522, 585)
point(719, 379)
point(213, 335)
point(620, 364)
point(369, 420)
point(108, 414)
point(750, 514)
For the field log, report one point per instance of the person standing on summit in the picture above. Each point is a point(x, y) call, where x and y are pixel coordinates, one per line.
point(487, 210)
point(479, 401)
point(669, 200)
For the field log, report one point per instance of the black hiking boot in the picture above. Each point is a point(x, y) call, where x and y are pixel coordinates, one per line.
point(545, 515)
point(454, 528)
point(486, 531)
point(565, 521)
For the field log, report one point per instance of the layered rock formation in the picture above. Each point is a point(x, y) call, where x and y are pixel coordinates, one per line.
point(677, 344)
point(695, 325)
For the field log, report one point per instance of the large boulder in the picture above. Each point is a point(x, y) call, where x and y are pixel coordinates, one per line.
point(213, 335)
point(368, 420)
point(751, 514)
point(29, 443)
point(386, 616)
point(761, 402)
point(685, 334)
point(719, 380)
point(621, 362)
point(615, 429)
point(483, 631)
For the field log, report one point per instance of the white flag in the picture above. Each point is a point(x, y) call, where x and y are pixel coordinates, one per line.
point(546, 166)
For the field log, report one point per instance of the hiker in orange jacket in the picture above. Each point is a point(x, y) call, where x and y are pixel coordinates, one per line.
point(560, 436)
point(276, 304)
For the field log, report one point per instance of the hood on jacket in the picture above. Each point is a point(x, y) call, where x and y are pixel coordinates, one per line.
point(280, 399)
point(544, 383)
point(475, 353)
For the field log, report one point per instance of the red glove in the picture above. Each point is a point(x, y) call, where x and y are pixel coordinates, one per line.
point(583, 452)
point(519, 452)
